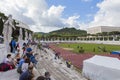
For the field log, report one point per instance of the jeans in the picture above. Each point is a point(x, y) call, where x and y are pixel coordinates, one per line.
point(13, 49)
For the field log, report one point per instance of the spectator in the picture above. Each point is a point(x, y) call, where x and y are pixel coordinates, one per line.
point(29, 51)
point(25, 65)
point(8, 60)
point(68, 63)
point(7, 64)
point(13, 44)
point(33, 59)
point(17, 46)
point(17, 57)
point(41, 78)
point(47, 76)
point(29, 41)
point(27, 75)
point(57, 55)
point(20, 64)
point(24, 49)
point(24, 44)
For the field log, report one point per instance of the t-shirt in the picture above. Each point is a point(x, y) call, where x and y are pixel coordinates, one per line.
point(24, 67)
point(6, 60)
point(13, 43)
point(21, 62)
point(29, 49)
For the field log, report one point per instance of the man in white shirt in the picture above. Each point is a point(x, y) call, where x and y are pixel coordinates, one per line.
point(8, 59)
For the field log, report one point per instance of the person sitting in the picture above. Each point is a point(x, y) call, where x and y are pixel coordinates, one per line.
point(24, 44)
point(8, 60)
point(17, 57)
point(25, 65)
point(7, 64)
point(24, 51)
point(27, 75)
point(41, 78)
point(57, 55)
point(29, 54)
point(33, 59)
point(47, 76)
point(22, 60)
point(29, 51)
point(68, 63)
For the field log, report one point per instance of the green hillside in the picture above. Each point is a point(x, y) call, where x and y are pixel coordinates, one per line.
point(68, 32)
point(64, 32)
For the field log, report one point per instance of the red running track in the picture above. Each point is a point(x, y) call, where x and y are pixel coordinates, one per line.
point(76, 59)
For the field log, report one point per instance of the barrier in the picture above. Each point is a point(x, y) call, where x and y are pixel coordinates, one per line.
point(3, 52)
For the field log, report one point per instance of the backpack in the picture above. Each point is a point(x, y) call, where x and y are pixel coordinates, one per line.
point(6, 67)
point(19, 70)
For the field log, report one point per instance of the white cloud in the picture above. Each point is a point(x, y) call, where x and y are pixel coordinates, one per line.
point(23, 9)
point(40, 17)
point(72, 21)
point(86, 0)
point(52, 17)
point(108, 14)
point(37, 15)
point(55, 11)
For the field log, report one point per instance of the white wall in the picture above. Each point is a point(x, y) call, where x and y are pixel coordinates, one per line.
point(78, 41)
point(100, 29)
point(3, 52)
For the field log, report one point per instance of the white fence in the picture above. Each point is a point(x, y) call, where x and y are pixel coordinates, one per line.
point(79, 41)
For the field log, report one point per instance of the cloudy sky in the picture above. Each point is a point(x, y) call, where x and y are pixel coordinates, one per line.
point(49, 15)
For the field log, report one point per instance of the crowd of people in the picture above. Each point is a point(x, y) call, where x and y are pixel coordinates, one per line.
point(23, 62)
point(27, 63)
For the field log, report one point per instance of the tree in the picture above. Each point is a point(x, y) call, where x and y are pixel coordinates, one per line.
point(114, 33)
point(2, 15)
point(1, 26)
point(104, 33)
point(37, 36)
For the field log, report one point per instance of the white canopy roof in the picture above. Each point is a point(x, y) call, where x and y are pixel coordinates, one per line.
point(102, 68)
point(109, 62)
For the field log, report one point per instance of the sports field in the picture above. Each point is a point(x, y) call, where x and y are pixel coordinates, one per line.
point(90, 48)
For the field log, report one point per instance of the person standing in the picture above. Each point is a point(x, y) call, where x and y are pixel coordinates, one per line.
point(13, 44)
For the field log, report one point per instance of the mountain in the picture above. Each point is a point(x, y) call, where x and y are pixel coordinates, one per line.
point(64, 32)
point(42, 33)
point(68, 32)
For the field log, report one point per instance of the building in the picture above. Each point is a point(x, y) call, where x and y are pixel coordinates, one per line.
point(100, 29)
point(22, 25)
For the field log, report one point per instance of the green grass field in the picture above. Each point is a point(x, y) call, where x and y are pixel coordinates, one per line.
point(90, 48)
